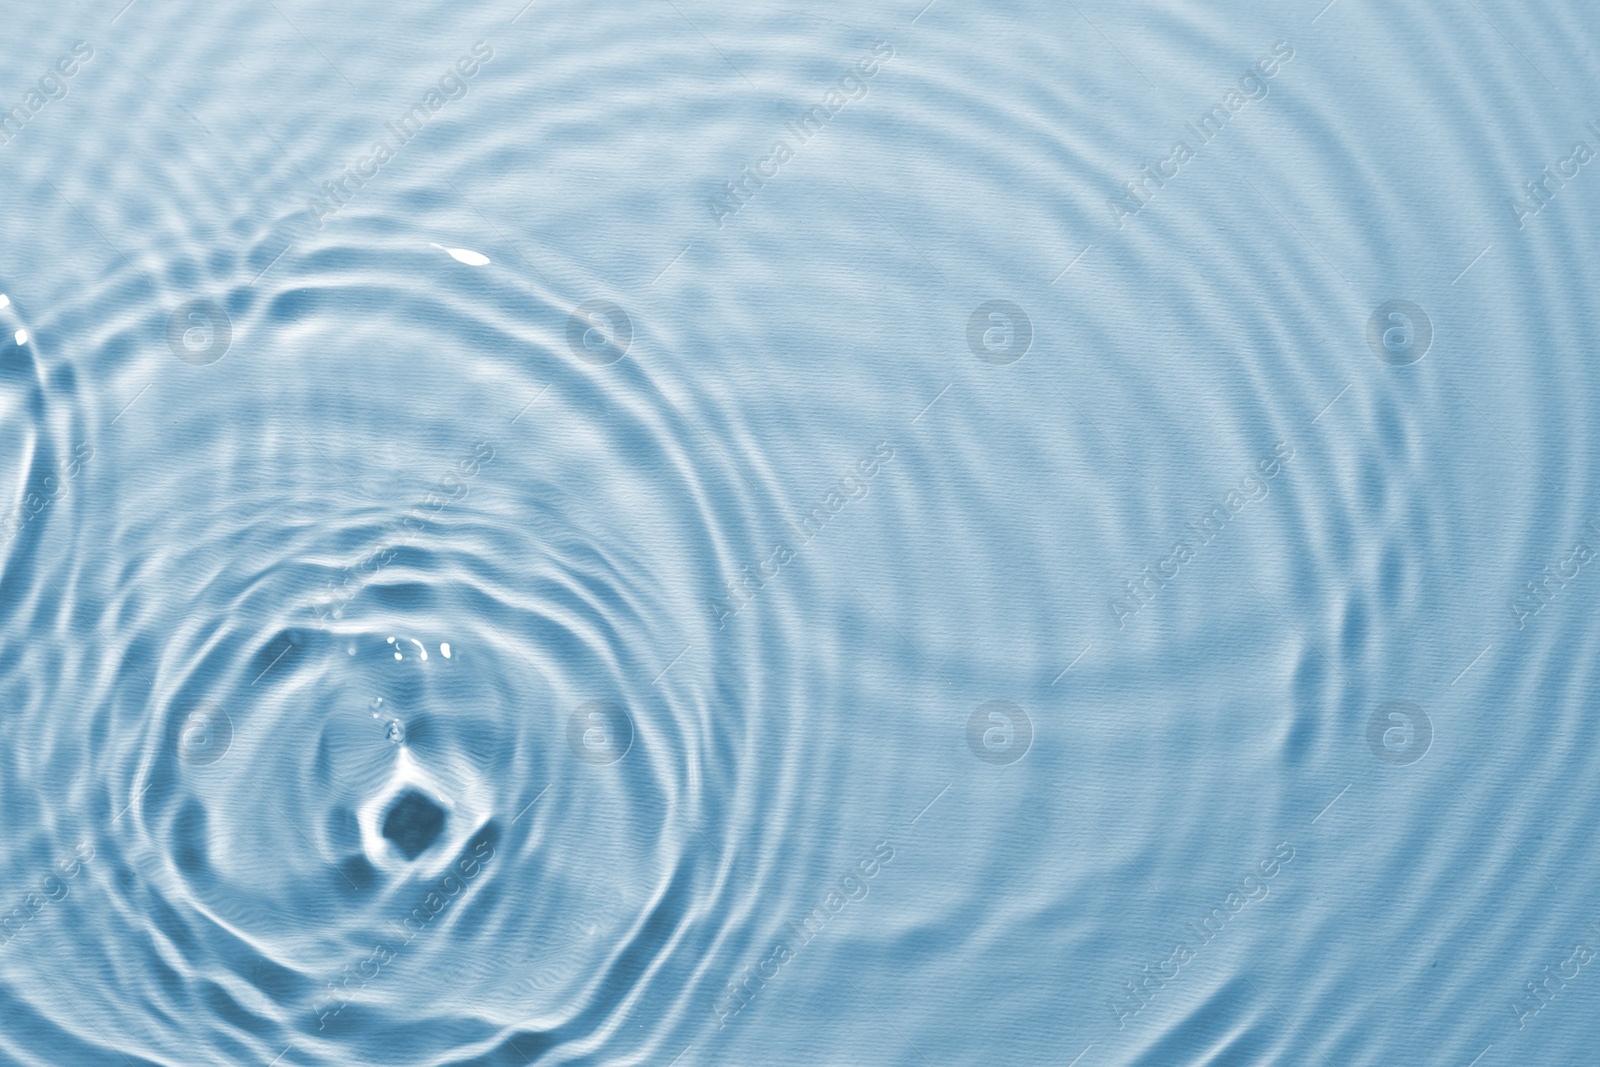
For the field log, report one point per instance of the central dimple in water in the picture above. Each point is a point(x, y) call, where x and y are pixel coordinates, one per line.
point(413, 824)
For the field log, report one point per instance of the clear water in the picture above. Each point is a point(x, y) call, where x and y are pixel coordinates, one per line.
point(720, 534)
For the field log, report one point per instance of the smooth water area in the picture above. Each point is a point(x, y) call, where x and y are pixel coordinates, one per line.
point(897, 533)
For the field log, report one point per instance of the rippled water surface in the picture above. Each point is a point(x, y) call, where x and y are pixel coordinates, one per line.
point(554, 533)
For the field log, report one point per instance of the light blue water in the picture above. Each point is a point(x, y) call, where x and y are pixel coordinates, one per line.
point(705, 534)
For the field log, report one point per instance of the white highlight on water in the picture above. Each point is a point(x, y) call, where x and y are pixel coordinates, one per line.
point(465, 255)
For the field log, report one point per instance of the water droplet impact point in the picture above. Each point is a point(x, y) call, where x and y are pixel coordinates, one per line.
point(413, 824)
